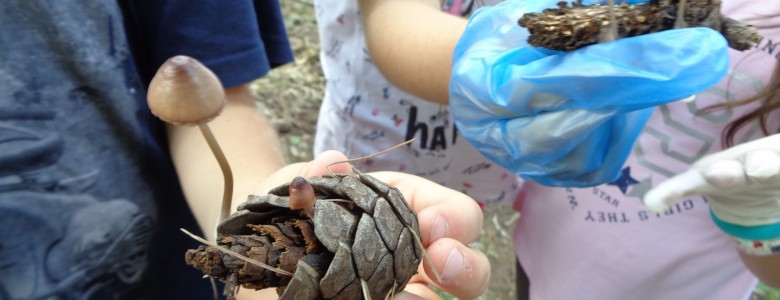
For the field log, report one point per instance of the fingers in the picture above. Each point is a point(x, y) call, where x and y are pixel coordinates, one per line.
point(724, 173)
point(416, 291)
point(674, 189)
point(325, 163)
point(441, 212)
point(460, 222)
point(760, 149)
point(730, 171)
point(758, 166)
point(755, 162)
point(755, 166)
point(464, 272)
point(762, 166)
point(448, 220)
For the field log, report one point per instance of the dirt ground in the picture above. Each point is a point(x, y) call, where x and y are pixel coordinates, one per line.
point(291, 95)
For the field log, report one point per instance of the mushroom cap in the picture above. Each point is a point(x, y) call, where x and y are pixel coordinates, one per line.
point(185, 92)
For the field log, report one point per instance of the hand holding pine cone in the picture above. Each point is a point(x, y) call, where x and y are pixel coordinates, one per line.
point(361, 232)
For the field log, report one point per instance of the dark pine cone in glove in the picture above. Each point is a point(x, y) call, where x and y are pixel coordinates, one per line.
point(361, 234)
point(569, 28)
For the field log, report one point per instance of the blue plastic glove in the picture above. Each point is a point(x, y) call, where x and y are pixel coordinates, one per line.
point(570, 118)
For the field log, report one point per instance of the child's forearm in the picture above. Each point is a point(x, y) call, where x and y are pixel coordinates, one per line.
point(250, 145)
point(411, 42)
point(766, 268)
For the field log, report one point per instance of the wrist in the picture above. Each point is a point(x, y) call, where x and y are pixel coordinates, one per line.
point(758, 247)
point(758, 240)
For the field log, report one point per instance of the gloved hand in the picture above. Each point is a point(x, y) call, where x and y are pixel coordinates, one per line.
point(742, 185)
point(570, 119)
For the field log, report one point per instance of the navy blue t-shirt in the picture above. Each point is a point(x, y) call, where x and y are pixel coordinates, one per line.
point(90, 205)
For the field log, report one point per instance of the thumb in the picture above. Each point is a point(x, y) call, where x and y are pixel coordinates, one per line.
point(675, 189)
point(327, 160)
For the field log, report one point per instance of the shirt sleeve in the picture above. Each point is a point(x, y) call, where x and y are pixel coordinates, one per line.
point(240, 40)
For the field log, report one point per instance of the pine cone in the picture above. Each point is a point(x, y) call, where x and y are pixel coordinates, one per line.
point(363, 236)
point(572, 27)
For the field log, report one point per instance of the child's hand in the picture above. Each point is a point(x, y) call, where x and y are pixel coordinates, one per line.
point(570, 118)
point(448, 221)
point(742, 185)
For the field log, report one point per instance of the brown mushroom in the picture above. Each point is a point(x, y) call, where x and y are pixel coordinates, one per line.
point(185, 92)
point(302, 196)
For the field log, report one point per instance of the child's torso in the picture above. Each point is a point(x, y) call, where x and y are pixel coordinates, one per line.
point(607, 235)
point(363, 114)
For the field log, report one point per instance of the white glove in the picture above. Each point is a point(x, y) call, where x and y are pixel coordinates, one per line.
point(741, 183)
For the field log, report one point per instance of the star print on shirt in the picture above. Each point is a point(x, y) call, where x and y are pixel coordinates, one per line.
point(641, 188)
point(625, 180)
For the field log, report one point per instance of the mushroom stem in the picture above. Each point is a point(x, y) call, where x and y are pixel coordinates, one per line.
point(227, 194)
point(611, 32)
point(679, 22)
point(185, 92)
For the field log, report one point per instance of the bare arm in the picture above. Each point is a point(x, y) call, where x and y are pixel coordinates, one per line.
point(766, 268)
point(250, 145)
point(411, 42)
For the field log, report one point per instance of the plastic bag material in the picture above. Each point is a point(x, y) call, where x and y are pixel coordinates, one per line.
point(570, 118)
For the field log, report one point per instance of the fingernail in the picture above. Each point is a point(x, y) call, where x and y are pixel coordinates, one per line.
point(454, 266)
point(725, 173)
point(440, 229)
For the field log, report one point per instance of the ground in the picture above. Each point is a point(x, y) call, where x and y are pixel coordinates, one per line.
point(291, 97)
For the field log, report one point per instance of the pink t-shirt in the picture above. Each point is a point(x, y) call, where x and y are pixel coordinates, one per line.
point(602, 243)
point(362, 113)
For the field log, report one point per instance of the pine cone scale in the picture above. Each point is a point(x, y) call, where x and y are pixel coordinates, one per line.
point(388, 224)
point(340, 274)
point(368, 248)
point(342, 224)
